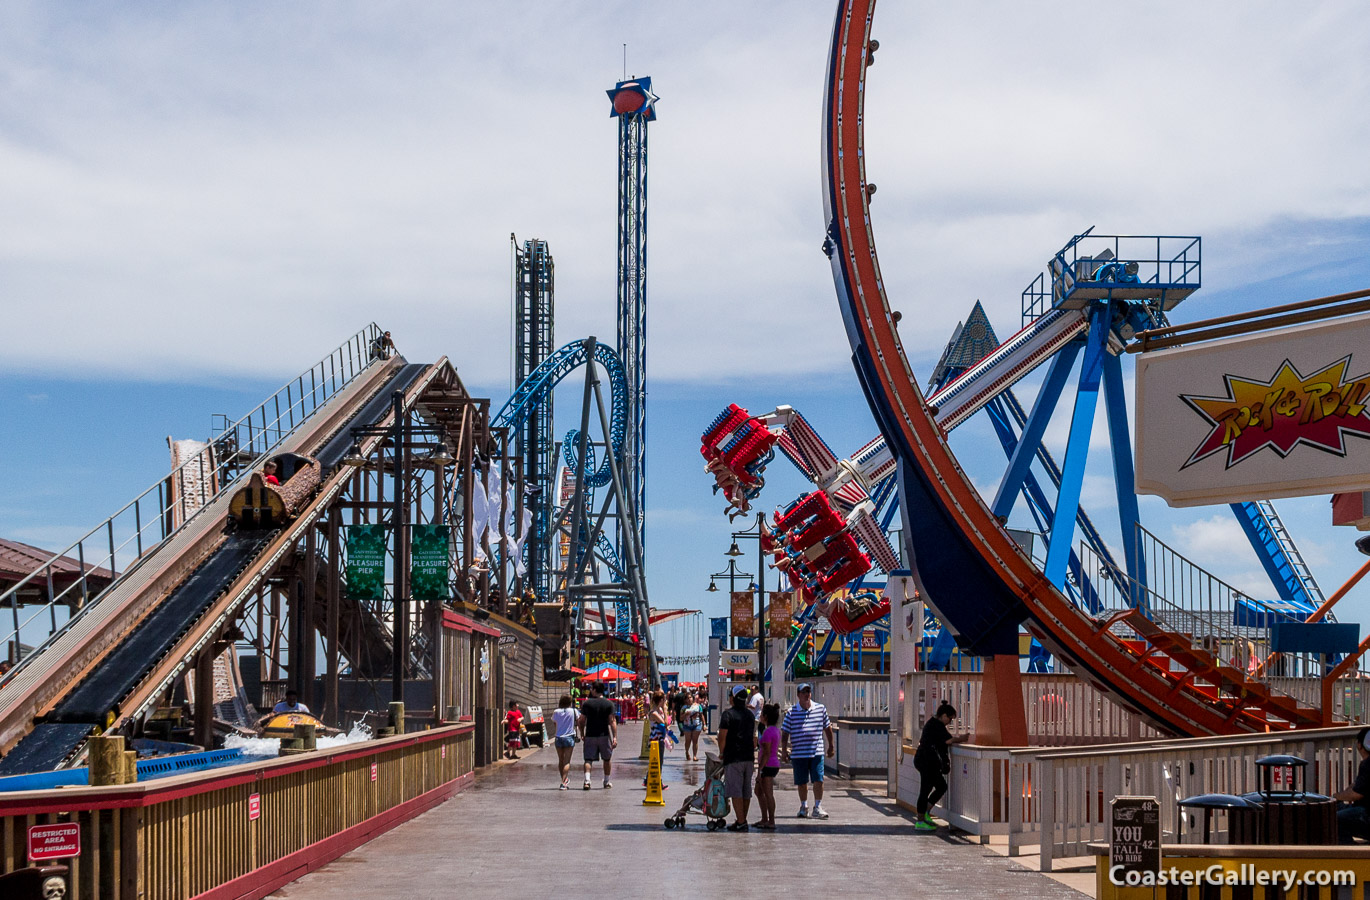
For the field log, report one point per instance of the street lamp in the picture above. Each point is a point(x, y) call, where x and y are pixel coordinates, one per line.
point(756, 535)
point(732, 573)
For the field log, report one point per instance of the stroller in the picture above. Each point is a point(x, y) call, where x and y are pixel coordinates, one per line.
point(708, 800)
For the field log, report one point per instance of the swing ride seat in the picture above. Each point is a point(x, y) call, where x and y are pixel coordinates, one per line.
point(843, 625)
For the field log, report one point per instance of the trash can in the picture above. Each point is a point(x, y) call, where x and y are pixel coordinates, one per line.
point(1239, 810)
point(1288, 813)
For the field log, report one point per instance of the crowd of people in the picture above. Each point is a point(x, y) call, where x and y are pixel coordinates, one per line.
point(755, 741)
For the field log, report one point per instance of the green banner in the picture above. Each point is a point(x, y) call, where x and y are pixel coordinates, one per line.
point(428, 562)
point(366, 562)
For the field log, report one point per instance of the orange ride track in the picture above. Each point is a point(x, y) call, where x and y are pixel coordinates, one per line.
point(966, 565)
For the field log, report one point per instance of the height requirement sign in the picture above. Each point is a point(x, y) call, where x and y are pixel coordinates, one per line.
point(1282, 413)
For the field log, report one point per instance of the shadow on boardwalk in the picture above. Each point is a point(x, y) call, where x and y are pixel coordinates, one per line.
point(513, 833)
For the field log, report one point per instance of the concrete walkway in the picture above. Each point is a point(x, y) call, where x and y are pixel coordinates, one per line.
point(513, 833)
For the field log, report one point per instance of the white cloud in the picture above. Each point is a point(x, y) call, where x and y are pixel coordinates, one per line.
point(172, 175)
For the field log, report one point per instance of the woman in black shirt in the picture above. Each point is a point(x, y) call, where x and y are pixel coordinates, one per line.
point(933, 762)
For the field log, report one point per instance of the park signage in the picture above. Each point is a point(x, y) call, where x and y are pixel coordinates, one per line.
point(366, 562)
point(428, 562)
point(1282, 413)
point(738, 659)
point(778, 614)
point(56, 841)
point(1134, 837)
point(744, 617)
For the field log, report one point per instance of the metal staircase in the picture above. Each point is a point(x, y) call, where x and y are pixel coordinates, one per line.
point(1279, 555)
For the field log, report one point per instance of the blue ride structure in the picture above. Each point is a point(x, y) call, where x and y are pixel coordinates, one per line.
point(634, 105)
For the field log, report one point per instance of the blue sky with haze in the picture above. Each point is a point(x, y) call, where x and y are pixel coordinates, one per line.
point(178, 177)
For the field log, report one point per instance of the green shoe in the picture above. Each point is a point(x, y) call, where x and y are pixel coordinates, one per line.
point(924, 826)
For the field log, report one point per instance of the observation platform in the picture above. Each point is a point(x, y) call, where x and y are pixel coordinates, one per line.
point(513, 833)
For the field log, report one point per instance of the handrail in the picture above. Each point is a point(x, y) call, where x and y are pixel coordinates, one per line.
point(1256, 320)
point(210, 468)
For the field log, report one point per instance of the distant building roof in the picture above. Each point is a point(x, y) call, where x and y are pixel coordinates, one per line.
point(18, 559)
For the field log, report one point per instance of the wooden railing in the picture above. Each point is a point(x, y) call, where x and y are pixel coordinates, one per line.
point(196, 836)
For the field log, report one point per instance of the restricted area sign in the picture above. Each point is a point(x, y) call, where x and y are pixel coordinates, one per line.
point(254, 807)
point(54, 841)
point(1134, 836)
point(373, 771)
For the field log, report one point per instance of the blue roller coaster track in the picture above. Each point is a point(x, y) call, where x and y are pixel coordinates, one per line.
point(538, 386)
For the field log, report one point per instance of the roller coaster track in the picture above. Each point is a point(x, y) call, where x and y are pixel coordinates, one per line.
point(148, 628)
point(968, 567)
point(540, 384)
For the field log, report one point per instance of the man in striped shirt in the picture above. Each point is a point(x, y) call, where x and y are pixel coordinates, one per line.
point(805, 738)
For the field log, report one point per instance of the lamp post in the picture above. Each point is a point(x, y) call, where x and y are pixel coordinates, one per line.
point(755, 535)
point(732, 573)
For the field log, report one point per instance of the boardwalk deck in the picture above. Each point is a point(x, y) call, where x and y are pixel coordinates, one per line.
point(514, 834)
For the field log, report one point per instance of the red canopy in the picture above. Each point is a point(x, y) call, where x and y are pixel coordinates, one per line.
point(610, 675)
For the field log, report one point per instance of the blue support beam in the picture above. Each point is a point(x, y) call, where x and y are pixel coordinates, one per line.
point(1077, 445)
point(1115, 406)
point(1036, 426)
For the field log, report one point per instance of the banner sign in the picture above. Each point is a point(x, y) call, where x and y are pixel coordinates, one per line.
point(744, 614)
point(778, 614)
point(428, 557)
point(621, 659)
point(366, 562)
point(738, 659)
point(1282, 413)
point(718, 627)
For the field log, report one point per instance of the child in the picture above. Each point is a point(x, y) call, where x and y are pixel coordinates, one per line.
point(769, 756)
point(513, 729)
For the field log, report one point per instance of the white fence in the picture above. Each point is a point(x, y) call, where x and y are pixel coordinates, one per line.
point(848, 696)
point(1062, 710)
point(1057, 799)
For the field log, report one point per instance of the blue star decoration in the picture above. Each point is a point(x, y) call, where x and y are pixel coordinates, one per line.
point(633, 97)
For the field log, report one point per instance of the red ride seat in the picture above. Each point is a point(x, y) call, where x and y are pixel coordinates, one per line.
point(842, 625)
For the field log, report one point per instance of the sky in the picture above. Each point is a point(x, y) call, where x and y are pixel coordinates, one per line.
point(199, 200)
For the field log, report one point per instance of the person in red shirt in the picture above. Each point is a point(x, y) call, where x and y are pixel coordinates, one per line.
point(513, 731)
point(269, 473)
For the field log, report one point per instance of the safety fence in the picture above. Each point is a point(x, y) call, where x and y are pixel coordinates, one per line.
point(1057, 799)
point(1062, 709)
point(241, 831)
point(851, 696)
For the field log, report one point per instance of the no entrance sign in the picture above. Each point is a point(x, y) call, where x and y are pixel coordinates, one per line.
point(54, 841)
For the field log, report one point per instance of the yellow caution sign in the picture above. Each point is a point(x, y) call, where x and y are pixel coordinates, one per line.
point(654, 797)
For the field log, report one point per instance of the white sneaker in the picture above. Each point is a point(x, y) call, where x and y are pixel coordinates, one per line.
point(608, 783)
point(819, 812)
point(803, 811)
point(586, 786)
